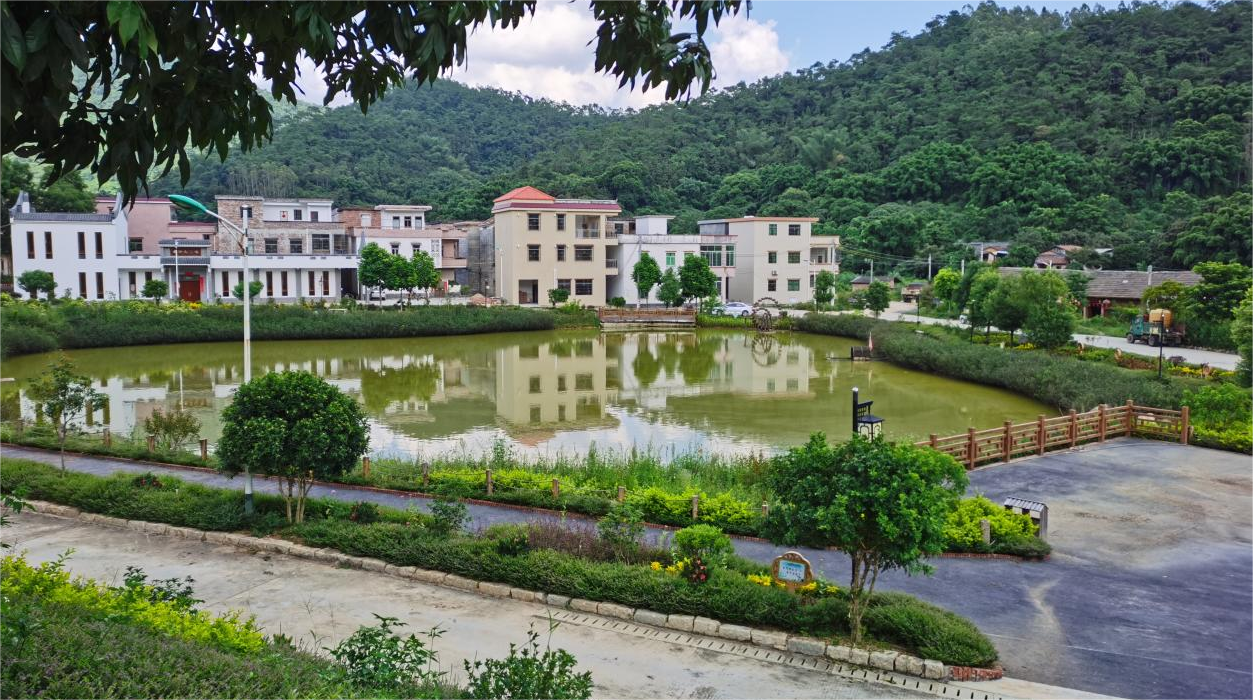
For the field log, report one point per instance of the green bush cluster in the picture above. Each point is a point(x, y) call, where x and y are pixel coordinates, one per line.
point(28, 326)
point(1012, 533)
point(726, 596)
point(1222, 417)
point(1056, 380)
point(53, 627)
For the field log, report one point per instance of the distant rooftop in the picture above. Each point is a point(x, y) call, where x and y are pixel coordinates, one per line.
point(60, 216)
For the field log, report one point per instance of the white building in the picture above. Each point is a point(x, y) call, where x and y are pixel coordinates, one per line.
point(772, 256)
point(647, 234)
point(80, 250)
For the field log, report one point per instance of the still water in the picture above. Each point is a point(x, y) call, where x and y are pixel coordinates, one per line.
point(549, 393)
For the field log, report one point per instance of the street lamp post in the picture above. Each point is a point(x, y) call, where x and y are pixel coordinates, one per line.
point(241, 237)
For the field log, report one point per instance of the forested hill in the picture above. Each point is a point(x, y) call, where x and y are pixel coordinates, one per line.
point(1126, 129)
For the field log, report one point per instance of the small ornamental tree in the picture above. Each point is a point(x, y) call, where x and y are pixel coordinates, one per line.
point(824, 287)
point(155, 290)
point(374, 266)
point(883, 504)
point(646, 274)
point(557, 295)
point(171, 428)
point(35, 281)
point(671, 292)
point(293, 426)
point(944, 286)
point(696, 280)
point(63, 396)
point(254, 288)
point(425, 273)
point(877, 298)
point(1242, 336)
point(982, 289)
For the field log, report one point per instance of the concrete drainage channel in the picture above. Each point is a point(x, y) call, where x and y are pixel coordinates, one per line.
point(812, 663)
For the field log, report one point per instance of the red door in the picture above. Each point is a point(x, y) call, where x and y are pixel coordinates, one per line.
point(189, 290)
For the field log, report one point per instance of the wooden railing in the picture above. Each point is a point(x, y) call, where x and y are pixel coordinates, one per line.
point(975, 447)
point(609, 314)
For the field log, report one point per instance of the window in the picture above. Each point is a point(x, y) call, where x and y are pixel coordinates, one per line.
point(295, 245)
point(772, 257)
point(130, 282)
point(774, 229)
point(793, 229)
point(269, 283)
point(561, 413)
point(793, 385)
point(712, 253)
point(730, 256)
point(770, 385)
point(583, 288)
point(271, 246)
point(669, 258)
point(321, 243)
point(395, 222)
point(82, 245)
point(48, 244)
point(82, 285)
point(226, 284)
point(298, 215)
point(793, 257)
point(535, 414)
point(147, 277)
point(561, 383)
point(30, 245)
point(313, 216)
point(311, 289)
point(561, 222)
point(772, 285)
point(408, 222)
point(534, 382)
point(326, 283)
point(395, 249)
point(793, 285)
point(561, 253)
point(135, 245)
point(532, 253)
point(282, 277)
point(563, 284)
point(245, 212)
point(583, 382)
point(532, 222)
point(583, 253)
point(365, 219)
point(99, 285)
point(811, 281)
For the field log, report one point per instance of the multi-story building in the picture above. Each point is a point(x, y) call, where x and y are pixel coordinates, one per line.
point(401, 229)
point(648, 234)
point(542, 243)
point(824, 254)
point(80, 250)
point(299, 249)
point(772, 256)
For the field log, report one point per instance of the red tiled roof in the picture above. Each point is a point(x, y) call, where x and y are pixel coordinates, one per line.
point(561, 206)
point(527, 192)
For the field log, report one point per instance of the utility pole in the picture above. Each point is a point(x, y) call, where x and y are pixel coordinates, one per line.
point(963, 267)
point(928, 268)
point(872, 271)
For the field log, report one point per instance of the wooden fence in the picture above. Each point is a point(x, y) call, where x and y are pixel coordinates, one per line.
point(976, 447)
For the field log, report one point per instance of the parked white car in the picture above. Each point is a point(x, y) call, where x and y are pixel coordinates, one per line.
point(734, 308)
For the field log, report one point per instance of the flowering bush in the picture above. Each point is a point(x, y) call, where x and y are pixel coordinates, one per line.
point(696, 571)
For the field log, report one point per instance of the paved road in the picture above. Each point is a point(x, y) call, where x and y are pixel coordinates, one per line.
point(900, 311)
point(1149, 592)
point(318, 605)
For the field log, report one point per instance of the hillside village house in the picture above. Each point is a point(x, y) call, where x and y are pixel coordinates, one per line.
point(401, 229)
point(1109, 288)
point(647, 234)
point(772, 257)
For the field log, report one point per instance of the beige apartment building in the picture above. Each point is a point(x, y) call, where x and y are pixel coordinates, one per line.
point(542, 243)
point(772, 256)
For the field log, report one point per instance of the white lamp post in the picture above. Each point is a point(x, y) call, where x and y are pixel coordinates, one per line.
point(241, 237)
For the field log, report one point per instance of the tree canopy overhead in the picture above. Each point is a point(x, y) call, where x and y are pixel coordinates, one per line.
point(123, 86)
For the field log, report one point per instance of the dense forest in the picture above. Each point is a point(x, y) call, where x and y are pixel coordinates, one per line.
point(1125, 129)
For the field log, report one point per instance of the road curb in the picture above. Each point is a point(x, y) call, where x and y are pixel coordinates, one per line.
point(893, 661)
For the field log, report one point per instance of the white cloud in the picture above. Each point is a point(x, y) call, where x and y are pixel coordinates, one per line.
point(548, 56)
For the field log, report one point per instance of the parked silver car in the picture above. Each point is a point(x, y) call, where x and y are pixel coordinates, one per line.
point(734, 308)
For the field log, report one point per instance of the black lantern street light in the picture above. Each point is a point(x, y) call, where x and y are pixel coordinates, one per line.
point(864, 423)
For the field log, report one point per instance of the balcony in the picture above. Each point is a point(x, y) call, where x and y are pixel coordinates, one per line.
point(450, 262)
point(611, 262)
point(587, 233)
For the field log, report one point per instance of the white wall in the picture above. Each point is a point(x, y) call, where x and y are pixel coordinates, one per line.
point(630, 250)
point(65, 265)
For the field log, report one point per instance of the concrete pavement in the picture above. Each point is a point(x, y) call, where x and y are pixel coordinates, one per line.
point(1149, 592)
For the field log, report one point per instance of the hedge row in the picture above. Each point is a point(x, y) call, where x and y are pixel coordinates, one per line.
point(28, 327)
point(404, 539)
point(1056, 380)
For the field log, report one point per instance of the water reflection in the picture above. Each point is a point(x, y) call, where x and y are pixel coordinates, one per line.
point(671, 392)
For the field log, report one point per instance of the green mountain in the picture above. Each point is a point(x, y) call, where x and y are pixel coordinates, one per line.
point(1124, 129)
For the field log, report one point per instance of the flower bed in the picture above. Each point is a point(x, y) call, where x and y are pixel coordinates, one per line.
point(408, 539)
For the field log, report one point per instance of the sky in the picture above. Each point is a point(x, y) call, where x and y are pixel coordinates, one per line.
point(548, 56)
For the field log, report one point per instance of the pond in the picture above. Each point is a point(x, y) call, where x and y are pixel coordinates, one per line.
point(724, 392)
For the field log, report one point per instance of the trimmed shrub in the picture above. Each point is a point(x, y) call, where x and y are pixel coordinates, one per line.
point(933, 632)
